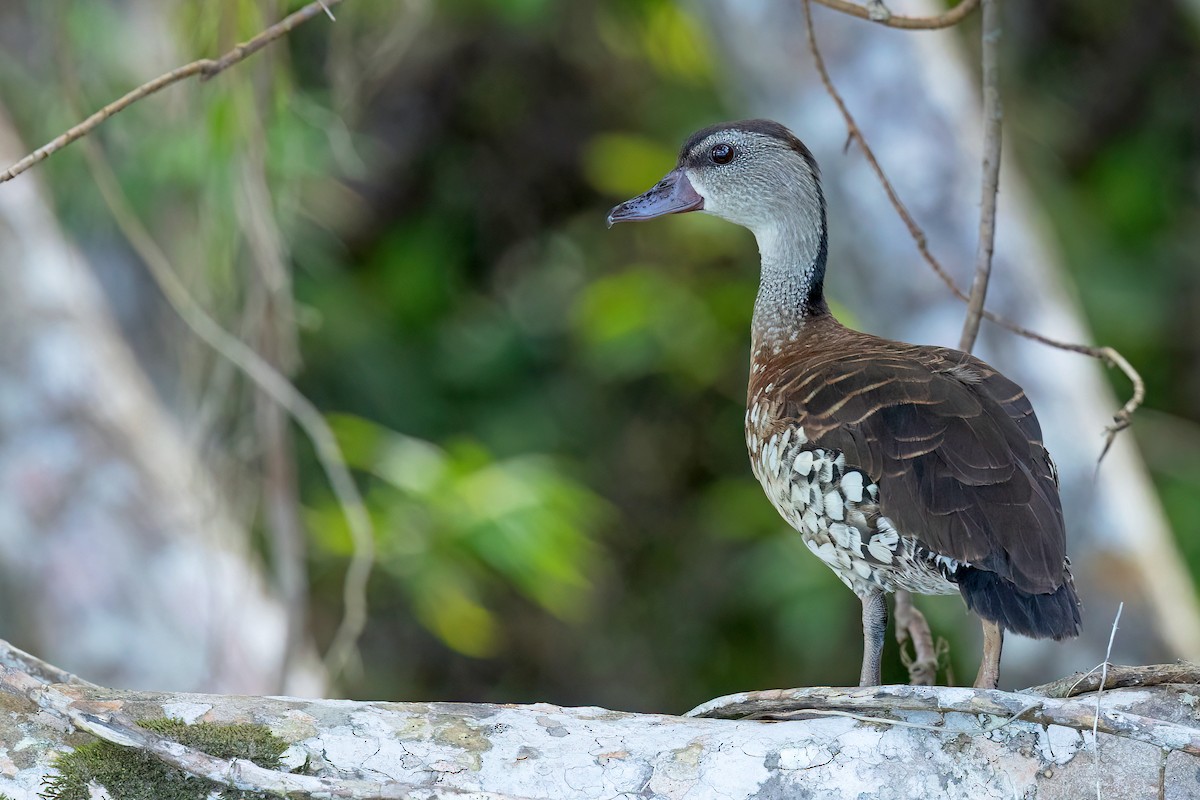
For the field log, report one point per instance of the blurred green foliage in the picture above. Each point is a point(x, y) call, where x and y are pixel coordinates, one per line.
point(546, 417)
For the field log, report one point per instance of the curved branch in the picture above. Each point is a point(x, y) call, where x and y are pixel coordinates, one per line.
point(1078, 714)
point(1108, 355)
point(1120, 677)
point(206, 68)
point(946, 20)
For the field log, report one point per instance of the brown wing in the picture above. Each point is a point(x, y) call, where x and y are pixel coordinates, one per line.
point(954, 446)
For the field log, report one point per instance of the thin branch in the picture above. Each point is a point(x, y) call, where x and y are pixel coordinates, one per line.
point(1108, 355)
point(945, 20)
point(993, 114)
point(274, 384)
point(1078, 714)
point(911, 624)
point(1120, 677)
point(206, 68)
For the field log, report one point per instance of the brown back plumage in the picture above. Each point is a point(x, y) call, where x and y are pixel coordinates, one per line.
point(954, 445)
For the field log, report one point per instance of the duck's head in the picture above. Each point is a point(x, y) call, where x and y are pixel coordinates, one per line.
point(754, 173)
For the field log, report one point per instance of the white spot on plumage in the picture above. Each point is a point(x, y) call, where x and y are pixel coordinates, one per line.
point(826, 470)
point(833, 505)
point(816, 500)
point(803, 463)
point(810, 520)
point(842, 535)
point(882, 546)
point(863, 569)
point(852, 486)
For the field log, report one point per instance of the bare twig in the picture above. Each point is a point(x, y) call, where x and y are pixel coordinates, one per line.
point(1078, 714)
point(993, 114)
point(945, 20)
point(911, 624)
point(1119, 677)
point(1108, 355)
point(1124, 417)
point(206, 68)
point(274, 384)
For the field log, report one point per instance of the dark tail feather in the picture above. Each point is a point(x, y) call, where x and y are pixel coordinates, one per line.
point(1039, 616)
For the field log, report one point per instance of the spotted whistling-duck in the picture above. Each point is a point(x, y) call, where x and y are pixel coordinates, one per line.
point(902, 466)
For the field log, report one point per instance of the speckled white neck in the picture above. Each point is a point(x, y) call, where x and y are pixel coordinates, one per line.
point(792, 254)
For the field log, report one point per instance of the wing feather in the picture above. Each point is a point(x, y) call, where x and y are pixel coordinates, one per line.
point(954, 445)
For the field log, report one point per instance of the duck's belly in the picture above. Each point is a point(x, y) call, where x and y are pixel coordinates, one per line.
point(836, 510)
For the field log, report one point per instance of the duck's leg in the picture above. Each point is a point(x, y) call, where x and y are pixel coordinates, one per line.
point(989, 667)
point(874, 625)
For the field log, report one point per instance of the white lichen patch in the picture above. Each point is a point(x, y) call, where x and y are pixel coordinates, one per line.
point(805, 757)
point(293, 758)
point(189, 713)
point(1058, 744)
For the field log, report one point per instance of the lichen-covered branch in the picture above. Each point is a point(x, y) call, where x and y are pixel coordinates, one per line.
point(907, 739)
point(1078, 714)
point(1120, 676)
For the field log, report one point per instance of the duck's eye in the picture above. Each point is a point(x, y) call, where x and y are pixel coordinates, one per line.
point(721, 154)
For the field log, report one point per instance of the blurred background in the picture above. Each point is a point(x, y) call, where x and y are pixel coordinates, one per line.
point(403, 211)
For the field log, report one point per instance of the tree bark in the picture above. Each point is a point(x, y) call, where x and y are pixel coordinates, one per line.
point(421, 750)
